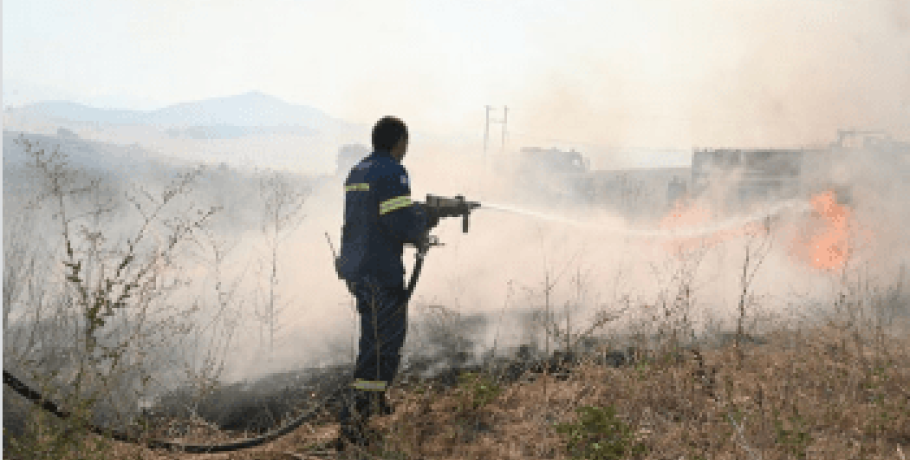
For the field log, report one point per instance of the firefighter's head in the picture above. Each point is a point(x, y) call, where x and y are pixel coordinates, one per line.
point(391, 135)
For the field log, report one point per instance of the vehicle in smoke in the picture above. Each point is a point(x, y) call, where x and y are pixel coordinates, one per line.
point(733, 179)
point(728, 180)
point(876, 141)
point(746, 176)
point(559, 178)
point(549, 176)
point(639, 194)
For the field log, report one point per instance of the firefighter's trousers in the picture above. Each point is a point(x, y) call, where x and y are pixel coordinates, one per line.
point(383, 324)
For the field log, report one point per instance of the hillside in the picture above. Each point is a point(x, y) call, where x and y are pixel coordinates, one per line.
point(249, 109)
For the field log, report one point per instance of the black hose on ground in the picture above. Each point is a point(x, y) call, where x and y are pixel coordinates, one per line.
point(51, 407)
point(25, 391)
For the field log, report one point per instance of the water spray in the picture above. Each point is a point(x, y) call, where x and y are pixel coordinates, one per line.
point(692, 232)
point(459, 207)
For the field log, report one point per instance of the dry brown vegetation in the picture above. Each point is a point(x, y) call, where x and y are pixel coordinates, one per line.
point(826, 392)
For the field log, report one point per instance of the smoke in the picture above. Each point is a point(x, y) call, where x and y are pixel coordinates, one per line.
point(676, 74)
point(717, 73)
point(576, 259)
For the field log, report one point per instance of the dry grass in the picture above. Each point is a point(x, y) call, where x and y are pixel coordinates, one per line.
point(819, 393)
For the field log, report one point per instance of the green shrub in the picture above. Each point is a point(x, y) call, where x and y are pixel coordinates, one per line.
point(600, 435)
point(796, 438)
point(480, 389)
point(47, 437)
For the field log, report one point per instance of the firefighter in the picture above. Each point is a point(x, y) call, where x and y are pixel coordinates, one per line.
point(379, 218)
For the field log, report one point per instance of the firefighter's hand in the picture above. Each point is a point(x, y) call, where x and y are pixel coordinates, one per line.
point(425, 242)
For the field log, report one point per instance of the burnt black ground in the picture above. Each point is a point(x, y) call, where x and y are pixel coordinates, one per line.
point(252, 408)
point(256, 407)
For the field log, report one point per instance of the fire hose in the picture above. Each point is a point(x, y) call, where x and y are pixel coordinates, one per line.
point(441, 207)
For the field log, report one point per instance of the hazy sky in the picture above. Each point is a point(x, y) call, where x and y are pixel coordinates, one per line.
point(674, 73)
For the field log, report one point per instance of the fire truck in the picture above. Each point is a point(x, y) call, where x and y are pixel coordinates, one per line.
point(558, 178)
point(549, 176)
point(740, 178)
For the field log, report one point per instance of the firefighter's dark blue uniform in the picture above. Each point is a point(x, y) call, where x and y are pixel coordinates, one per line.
point(379, 218)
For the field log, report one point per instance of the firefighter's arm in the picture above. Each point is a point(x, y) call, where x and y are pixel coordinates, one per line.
point(398, 214)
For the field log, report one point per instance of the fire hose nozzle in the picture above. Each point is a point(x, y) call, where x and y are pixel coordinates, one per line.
point(451, 207)
point(440, 207)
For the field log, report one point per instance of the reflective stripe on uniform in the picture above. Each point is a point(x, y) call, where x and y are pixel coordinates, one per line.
point(369, 385)
point(394, 203)
point(363, 187)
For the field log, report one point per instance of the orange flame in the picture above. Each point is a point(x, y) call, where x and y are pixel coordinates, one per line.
point(825, 242)
point(827, 245)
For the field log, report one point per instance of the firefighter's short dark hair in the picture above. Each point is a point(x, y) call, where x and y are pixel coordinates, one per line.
point(387, 132)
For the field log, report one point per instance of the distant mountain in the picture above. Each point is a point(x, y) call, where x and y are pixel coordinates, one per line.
point(71, 111)
point(253, 109)
point(250, 109)
point(236, 132)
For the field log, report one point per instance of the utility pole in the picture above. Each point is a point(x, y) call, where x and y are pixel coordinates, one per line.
point(486, 130)
point(486, 133)
point(486, 140)
point(505, 119)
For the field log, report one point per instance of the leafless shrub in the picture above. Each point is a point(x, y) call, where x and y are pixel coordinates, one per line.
point(282, 214)
point(88, 331)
